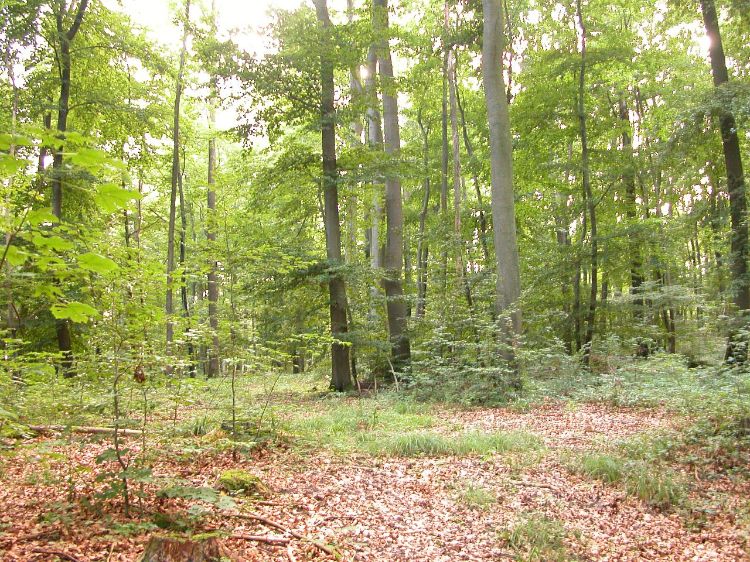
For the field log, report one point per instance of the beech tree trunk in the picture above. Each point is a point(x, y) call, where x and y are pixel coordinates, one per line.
point(375, 140)
point(736, 350)
point(341, 378)
point(422, 246)
point(65, 39)
point(169, 302)
point(587, 193)
point(631, 211)
point(213, 365)
point(394, 244)
point(508, 288)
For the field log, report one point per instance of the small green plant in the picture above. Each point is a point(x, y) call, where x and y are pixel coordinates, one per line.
point(537, 537)
point(477, 496)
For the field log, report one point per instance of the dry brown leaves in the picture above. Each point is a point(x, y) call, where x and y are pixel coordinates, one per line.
point(379, 509)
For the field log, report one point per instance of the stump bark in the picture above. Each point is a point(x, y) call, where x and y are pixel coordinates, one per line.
point(174, 549)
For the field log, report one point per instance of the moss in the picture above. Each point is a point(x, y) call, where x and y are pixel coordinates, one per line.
point(237, 481)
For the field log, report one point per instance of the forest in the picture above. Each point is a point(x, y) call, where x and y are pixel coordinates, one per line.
point(374, 280)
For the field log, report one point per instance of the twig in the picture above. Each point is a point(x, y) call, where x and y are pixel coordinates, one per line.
point(84, 429)
point(111, 550)
point(290, 554)
point(532, 484)
point(58, 553)
point(276, 541)
point(279, 527)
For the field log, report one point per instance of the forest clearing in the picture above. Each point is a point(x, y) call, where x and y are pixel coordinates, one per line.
point(374, 280)
point(600, 476)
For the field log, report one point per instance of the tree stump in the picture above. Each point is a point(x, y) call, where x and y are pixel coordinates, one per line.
point(175, 549)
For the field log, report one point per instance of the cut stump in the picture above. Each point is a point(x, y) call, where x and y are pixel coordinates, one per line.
point(174, 549)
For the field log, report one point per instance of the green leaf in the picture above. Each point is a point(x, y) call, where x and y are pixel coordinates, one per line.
point(16, 256)
point(75, 311)
point(110, 197)
point(52, 242)
point(41, 216)
point(6, 140)
point(89, 158)
point(96, 263)
point(10, 165)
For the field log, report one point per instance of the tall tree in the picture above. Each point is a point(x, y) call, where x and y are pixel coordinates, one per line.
point(176, 178)
point(341, 378)
point(212, 368)
point(394, 245)
point(586, 181)
point(65, 38)
point(735, 180)
point(508, 288)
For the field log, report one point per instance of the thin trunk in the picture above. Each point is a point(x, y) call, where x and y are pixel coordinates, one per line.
point(375, 140)
point(341, 378)
point(590, 203)
point(213, 365)
point(422, 247)
point(393, 262)
point(169, 303)
point(482, 219)
point(457, 184)
point(631, 211)
point(65, 38)
point(501, 168)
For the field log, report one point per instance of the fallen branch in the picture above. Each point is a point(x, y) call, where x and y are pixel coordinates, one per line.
point(277, 541)
point(84, 429)
point(279, 527)
point(532, 484)
point(59, 553)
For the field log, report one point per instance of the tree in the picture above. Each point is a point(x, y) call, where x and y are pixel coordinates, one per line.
point(393, 262)
point(508, 288)
point(340, 366)
point(736, 352)
point(65, 38)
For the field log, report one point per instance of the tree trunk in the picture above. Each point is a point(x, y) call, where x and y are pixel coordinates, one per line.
point(169, 302)
point(482, 219)
point(65, 38)
point(422, 246)
point(508, 287)
point(341, 378)
point(587, 193)
point(394, 245)
point(174, 549)
point(736, 350)
point(375, 141)
point(628, 179)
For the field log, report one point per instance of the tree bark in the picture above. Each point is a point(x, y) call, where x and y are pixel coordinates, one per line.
point(736, 350)
point(341, 379)
point(422, 246)
point(65, 39)
point(631, 211)
point(394, 245)
point(169, 302)
point(587, 193)
point(508, 288)
point(213, 365)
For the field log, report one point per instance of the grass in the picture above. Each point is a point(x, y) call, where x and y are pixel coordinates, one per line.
point(537, 537)
point(651, 483)
point(418, 444)
point(477, 496)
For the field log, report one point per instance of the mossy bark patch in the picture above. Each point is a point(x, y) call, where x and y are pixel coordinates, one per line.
point(242, 482)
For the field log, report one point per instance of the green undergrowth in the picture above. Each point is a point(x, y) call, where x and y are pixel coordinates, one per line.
point(417, 444)
point(539, 538)
point(653, 484)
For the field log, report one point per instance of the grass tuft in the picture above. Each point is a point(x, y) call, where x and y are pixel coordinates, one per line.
point(417, 444)
point(537, 537)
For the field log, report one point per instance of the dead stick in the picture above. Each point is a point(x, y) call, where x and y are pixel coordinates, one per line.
point(58, 553)
point(279, 541)
point(83, 429)
point(278, 526)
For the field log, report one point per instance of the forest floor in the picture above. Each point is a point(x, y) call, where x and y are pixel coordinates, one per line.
point(382, 479)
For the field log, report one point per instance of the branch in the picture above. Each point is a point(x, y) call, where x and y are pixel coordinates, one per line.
point(84, 429)
point(77, 22)
point(279, 527)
